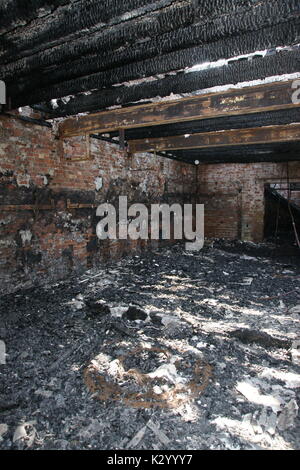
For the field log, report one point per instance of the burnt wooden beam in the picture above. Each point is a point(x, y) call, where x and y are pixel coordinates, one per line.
point(236, 72)
point(122, 142)
point(267, 97)
point(31, 72)
point(257, 135)
point(14, 13)
point(33, 93)
point(78, 19)
point(173, 32)
point(211, 30)
point(72, 205)
point(92, 19)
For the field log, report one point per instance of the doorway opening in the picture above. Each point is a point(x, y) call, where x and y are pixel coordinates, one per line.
point(282, 212)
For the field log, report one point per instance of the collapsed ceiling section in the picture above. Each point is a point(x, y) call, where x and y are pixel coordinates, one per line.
point(65, 57)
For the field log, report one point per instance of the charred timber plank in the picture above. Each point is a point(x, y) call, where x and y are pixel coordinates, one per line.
point(147, 28)
point(257, 135)
point(240, 71)
point(92, 61)
point(172, 33)
point(99, 22)
point(269, 97)
point(267, 38)
point(15, 12)
point(75, 20)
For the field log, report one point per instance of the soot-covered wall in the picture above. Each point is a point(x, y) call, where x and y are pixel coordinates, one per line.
point(44, 237)
point(40, 244)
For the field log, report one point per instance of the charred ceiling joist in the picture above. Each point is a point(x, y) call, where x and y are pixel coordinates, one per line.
point(44, 79)
point(86, 17)
point(147, 37)
point(239, 71)
point(49, 84)
point(78, 19)
point(66, 57)
point(54, 84)
point(144, 57)
point(14, 13)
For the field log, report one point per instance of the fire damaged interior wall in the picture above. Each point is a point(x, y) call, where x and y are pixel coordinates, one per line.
point(234, 197)
point(48, 202)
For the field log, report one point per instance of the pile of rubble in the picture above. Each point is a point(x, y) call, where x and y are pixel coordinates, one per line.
point(168, 350)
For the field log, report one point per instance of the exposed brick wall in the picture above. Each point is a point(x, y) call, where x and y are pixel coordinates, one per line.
point(41, 245)
point(233, 195)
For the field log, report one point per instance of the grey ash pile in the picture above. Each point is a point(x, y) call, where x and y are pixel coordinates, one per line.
point(168, 350)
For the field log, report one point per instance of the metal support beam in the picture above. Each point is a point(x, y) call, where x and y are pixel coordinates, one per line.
point(258, 135)
point(267, 97)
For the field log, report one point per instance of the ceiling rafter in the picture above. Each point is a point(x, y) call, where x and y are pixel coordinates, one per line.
point(124, 60)
point(285, 62)
point(76, 21)
point(42, 87)
point(161, 37)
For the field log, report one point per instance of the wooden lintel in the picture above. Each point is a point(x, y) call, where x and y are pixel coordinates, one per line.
point(71, 205)
point(27, 207)
point(253, 99)
point(257, 135)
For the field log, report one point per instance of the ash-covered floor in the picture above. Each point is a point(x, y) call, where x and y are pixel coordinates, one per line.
point(169, 350)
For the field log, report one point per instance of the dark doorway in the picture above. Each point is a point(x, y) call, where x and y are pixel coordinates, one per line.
point(282, 212)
